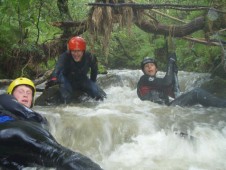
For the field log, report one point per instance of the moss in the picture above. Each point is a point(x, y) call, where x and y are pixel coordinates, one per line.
point(102, 69)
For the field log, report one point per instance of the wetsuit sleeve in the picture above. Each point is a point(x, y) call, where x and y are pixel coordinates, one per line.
point(59, 65)
point(94, 68)
point(19, 111)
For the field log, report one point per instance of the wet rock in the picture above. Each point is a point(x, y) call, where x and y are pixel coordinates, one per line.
point(216, 86)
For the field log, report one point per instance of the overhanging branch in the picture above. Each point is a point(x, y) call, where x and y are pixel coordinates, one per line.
point(173, 30)
point(156, 6)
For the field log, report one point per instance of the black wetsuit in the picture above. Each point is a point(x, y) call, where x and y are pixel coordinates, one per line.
point(158, 90)
point(26, 142)
point(72, 75)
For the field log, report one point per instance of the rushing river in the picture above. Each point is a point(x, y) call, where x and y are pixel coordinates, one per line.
point(125, 133)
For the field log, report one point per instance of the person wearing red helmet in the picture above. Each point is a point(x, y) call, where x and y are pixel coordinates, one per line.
point(71, 71)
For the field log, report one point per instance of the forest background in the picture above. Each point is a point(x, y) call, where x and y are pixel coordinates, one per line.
point(34, 33)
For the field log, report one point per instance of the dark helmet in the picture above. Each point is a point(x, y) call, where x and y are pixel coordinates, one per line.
point(148, 60)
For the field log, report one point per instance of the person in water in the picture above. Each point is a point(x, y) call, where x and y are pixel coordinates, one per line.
point(158, 90)
point(71, 72)
point(24, 137)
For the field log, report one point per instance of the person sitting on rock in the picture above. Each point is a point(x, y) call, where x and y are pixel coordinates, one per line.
point(71, 72)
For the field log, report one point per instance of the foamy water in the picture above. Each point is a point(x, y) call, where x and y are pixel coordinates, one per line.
point(125, 133)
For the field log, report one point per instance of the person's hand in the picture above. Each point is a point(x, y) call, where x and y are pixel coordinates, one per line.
point(172, 57)
point(51, 82)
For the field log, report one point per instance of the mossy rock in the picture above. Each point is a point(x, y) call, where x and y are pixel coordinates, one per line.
point(49, 96)
point(216, 86)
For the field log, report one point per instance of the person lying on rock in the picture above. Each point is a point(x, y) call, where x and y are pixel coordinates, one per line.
point(71, 72)
point(25, 140)
point(158, 90)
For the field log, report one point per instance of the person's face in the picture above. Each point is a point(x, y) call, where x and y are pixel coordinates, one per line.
point(23, 94)
point(77, 55)
point(150, 69)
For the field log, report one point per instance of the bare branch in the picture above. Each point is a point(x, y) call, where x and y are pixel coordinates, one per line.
point(155, 6)
point(202, 41)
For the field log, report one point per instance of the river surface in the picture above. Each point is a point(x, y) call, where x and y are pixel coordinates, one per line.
point(125, 133)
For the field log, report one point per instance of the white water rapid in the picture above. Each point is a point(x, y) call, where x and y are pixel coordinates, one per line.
point(125, 133)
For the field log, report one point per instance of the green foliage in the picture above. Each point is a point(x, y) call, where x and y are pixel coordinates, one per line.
point(128, 48)
point(25, 24)
point(196, 57)
point(79, 9)
point(102, 69)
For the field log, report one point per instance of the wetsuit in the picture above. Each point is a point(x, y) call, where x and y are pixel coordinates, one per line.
point(72, 75)
point(25, 141)
point(158, 90)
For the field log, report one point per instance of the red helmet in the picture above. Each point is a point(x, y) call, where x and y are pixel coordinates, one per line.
point(77, 43)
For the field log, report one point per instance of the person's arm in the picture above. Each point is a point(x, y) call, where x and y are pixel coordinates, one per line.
point(59, 67)
point(9, 103)
point(169, 77)
point(94, 68)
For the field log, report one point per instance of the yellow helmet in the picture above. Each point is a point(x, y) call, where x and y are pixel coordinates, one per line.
point(21, 81)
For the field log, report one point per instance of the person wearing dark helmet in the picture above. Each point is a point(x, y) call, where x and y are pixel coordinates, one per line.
point(24, 137)
point(71, 71)
point(158, 90)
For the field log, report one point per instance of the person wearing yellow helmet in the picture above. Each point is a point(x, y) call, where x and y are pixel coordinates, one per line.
point(23, 89)
point(21, 81)
point(25, 140)
point(18, 100)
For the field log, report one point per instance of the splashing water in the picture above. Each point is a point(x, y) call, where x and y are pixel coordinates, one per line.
point(125, 133)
